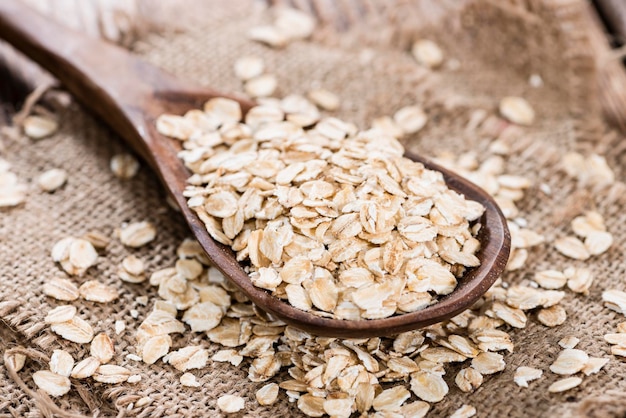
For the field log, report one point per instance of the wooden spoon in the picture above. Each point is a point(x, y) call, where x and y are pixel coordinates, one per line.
point(129, 94)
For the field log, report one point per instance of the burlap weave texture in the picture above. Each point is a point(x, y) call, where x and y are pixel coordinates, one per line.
point(498, 45)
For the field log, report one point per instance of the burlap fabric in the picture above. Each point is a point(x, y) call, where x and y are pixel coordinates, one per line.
point(361, 54)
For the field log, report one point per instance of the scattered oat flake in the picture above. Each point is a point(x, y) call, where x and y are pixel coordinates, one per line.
point(96, 291)
point(512, 316)
point(61, 362)
point(261, 86)
point(76, 330)
point(128, 276)
point(39, 127)
point(137, 234)
point(615, 299)
point(134, 378)
point(338, 407)
point(387, 126)
point(124, 166)
point(62, 313)
point(324, 99)
point(120, 326)
point(76, 255)
point(588, 170)
point(102, 348)
point(248, 67)
point(569, 342)
point(189, 380)
point(588, 223)
point(564, 384)
point(598, 171)
point(618, 339)
point(224, 110)
point(579, 280)
point(468, 379)
point(293, 23)
point(174, 126)
point(417, 409)
point(525, 374)
point(550, 279)
point(61, 289)
point(229, 355)
point(517, 110)
point(535, 80)
point(427, 53)
point(410, 119)
point(465, 411)
point(594, 365)
point(617, 350)
point(16, 361)
point(141, 402)
point(51, 383)
point(98, 239)
point(391, 399)
point(110, 373)
point(569, 361)
point(267, 394)
point(133, 357)
point(230, 403)
point(428, 386)
point(598, 242)
point(268, 35)
point(85, 368)
point(191, 357)
point(155, 347)
point(82, 254)
point(51, 180)
point(572, 247)
point(403, 365)
point(203, 316)
point(517, 259)
point(12, 192)
point(488, 363)
point(552, 316)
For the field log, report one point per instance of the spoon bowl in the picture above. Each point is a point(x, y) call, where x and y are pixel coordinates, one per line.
point(129, 94)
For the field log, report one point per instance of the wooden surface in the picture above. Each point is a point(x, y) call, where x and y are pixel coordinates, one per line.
point(128, 94)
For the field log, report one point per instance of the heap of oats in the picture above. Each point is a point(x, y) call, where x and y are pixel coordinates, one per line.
point(333, 220)
point(12, 191)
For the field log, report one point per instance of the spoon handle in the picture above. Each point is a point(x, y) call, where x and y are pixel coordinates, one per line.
point(108, 80)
